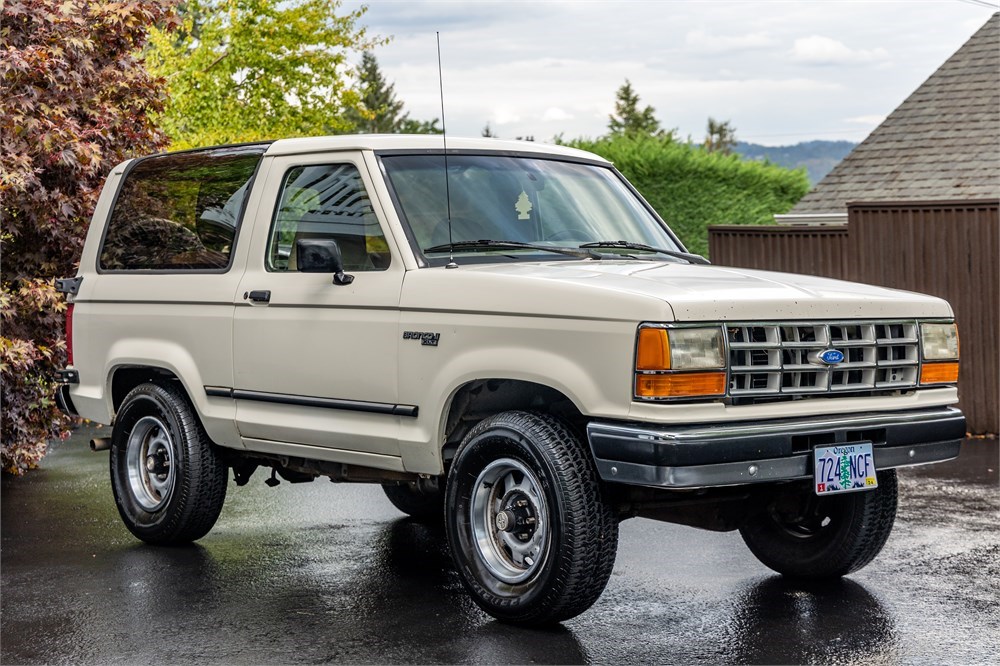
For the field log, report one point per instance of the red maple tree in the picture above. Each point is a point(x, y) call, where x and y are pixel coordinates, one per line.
point(76, 101)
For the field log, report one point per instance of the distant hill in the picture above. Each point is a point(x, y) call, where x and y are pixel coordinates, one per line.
point(818, 157)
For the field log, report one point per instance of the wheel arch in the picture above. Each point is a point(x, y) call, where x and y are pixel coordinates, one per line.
point(124, 378)
point(476, 399)
point(133, 362)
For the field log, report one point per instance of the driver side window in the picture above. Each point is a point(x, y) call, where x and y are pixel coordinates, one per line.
point(326, 202)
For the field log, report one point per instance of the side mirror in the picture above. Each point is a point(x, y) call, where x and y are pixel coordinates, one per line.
point(321, 256)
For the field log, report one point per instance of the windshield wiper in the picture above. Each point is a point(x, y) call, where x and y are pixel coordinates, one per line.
point(628, 245)
point(486, 244)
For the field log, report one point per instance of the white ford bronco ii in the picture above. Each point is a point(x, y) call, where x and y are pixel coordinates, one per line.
point(507, 338)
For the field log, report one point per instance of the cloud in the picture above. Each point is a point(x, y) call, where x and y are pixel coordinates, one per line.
point(866, 120)
point(817, 50)
point(709, 43)
point(505, 116)
point(513, 63)
point(555, 113)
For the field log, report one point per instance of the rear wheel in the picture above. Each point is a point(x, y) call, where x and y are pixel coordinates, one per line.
point(168, 479)
point(802, 535)
point(532, 538)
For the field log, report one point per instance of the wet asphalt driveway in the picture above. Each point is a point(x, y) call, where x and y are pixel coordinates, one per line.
point(320, 572)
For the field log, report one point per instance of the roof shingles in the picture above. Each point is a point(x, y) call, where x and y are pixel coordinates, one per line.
point(941, 143)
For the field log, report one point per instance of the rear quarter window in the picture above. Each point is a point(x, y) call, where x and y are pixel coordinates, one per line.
point(180, 212)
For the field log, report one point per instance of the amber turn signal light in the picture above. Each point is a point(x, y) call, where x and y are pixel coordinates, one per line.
point(680, 385)
point(939, 373)
point(653, 351)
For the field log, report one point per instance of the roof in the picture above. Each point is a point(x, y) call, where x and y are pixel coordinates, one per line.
point(418, 142)
point(941, 143)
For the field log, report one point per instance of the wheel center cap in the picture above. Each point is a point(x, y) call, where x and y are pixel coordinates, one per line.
point(157, 463)
point(518, 518)
point(506, 521)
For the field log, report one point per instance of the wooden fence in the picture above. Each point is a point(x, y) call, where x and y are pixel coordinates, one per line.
point(948, 249)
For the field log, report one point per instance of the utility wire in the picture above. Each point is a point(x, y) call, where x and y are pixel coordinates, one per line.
point(982, 3)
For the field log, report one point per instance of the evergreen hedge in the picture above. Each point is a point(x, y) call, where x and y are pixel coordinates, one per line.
point(691, 188)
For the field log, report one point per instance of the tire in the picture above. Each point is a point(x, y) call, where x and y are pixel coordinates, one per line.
point(531, 470)
point(417, 501)
point(168, 479)
point(805, 536)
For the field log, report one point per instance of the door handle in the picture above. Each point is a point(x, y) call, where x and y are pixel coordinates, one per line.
point(259, 295)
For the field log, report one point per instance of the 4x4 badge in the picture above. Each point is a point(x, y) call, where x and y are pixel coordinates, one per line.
point(427, 339)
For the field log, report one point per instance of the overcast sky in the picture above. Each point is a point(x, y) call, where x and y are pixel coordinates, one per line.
point(781, 71)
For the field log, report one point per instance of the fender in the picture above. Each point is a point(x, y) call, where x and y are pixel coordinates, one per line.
point(218, 415)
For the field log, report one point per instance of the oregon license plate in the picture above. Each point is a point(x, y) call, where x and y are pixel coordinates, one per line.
point(844, 468)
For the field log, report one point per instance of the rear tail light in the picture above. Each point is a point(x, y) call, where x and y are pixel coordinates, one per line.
point(69, 334)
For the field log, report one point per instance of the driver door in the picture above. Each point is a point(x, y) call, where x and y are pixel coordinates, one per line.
point(315, 362)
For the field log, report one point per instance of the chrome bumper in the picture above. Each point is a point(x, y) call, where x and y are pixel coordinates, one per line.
point(703, 456)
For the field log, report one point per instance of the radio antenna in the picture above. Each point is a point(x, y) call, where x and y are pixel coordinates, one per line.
point(444, 139)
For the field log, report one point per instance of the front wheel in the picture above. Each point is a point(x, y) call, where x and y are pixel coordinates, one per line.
point(168, 479)
point(802, 535)
point(531, 536)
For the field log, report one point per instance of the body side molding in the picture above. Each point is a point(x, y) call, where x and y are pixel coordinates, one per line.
point(311, 401)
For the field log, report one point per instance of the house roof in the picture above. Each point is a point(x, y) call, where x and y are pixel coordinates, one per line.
point(941, 143)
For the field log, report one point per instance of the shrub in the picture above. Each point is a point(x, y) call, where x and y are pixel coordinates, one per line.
point(76, 102)
point(692, 188)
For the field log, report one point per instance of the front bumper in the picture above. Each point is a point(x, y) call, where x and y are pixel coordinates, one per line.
point(705, 455)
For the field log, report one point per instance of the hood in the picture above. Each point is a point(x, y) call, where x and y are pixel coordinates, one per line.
point(720, 293)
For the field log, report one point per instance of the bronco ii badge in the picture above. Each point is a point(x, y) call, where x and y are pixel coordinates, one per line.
point(426, 339)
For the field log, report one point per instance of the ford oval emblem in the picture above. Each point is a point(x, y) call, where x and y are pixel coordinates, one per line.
point(831, 356)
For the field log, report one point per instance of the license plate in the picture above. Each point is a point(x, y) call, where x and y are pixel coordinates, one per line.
point(844, 468)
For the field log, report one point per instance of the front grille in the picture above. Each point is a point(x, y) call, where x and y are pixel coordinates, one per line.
point(783, 358)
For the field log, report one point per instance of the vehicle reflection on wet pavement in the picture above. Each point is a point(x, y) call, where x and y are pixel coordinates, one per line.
point(321, 572)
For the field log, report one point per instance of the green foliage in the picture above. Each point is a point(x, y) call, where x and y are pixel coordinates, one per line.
point(76, 102)
point(721, 137)
point(628, 119)
point(691, 188)
point(246, 70)
point(379, 111)
point(411, 126)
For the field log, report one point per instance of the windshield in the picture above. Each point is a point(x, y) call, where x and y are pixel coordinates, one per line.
point(521, 199)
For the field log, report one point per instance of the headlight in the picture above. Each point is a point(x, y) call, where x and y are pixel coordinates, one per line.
point(939, 347)
point(939, 342)
point(679, 362)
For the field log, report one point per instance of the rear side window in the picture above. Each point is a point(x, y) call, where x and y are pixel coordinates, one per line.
point(180, 212)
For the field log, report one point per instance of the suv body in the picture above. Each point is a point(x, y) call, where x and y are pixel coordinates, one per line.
point(281, 305)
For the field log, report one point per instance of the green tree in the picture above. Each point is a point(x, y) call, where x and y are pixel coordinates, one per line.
point(379, 111)
point(692, 188)
point(411, 126)
point(721, 137)
point(246, 70)
point(628, 119)
point(76, 101)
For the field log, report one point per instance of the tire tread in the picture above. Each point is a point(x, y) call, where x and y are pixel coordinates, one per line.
point(590, 526)
point(200, 488)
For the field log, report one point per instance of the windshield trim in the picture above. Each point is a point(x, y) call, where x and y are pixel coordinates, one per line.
point(425, 262)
